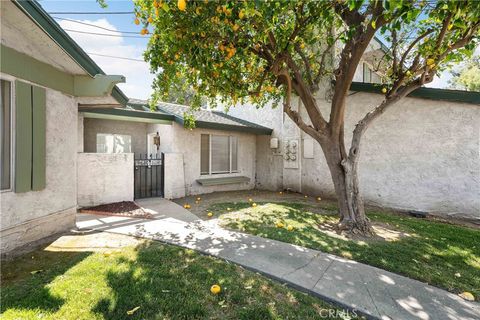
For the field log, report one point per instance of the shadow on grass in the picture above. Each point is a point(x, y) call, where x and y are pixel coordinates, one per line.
point(25, 279)
point(440, 254)
point(171, 283)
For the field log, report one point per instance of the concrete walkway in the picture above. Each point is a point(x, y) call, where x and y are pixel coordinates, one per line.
point(371, 291)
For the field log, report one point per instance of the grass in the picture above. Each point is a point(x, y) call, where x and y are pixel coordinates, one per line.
point(440, 254)
point(165, 282)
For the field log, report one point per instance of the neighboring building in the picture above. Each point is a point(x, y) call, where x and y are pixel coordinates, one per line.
point(218, 155)
point(44, 77)
point(422, 154)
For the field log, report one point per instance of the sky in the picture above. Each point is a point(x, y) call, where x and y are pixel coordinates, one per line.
point(129, 45)
point(126, 45)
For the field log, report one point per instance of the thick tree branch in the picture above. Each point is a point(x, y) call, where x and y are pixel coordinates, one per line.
point(294, 115)
point(302, 89)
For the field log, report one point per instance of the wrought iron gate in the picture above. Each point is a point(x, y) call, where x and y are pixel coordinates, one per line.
point(148, 176)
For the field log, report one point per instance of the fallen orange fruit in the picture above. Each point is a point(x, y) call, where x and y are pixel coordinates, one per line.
point(215, 289)
point(467, 296)
point(254, 204)
point(210, 214)
point(290, 228)
point(182, 5)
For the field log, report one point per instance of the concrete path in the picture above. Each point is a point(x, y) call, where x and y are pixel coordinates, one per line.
point(371, 291)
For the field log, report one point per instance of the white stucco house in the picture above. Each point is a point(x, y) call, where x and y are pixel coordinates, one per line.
point(70, 138)
point(45, 77)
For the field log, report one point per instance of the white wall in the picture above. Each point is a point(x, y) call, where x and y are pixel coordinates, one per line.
point(104, 178)
point(29, 216)
point(421, 154)
point(137, 131)
point(176, 139)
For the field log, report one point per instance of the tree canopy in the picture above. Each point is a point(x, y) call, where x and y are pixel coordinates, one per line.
point(468, 77)
point(262, 51)
point(230, 49)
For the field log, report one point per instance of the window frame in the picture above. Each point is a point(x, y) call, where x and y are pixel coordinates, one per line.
point(11, 79)
point(114, 142)
point(210, 172)
point(366, 69)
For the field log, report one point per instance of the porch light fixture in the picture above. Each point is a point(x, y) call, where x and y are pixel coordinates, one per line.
point(156, 140)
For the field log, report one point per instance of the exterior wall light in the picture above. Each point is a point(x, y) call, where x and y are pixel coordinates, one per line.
point(156, 140)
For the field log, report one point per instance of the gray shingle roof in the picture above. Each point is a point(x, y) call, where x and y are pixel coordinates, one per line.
point(210, 119)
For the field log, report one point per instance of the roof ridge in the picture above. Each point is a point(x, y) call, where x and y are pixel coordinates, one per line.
point(243, 121)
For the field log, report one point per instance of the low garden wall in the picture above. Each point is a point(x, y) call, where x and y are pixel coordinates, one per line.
point(104, 178)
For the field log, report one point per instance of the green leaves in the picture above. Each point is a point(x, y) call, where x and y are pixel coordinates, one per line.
point(224, 50)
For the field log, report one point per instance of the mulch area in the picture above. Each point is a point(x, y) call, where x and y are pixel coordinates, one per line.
point(120, 209)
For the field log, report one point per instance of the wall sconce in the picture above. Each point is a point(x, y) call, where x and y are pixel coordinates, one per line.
point(156, 140)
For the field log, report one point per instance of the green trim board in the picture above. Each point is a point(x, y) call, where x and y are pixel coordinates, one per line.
point(23, 137)
point(228, 127)
point(100, 85)
point(30, 137)
point(222, 180)
point(37, 14)
point(119, 96)
point(127, 115)
point(425, 93)
point(39, 138)
point(25, 67)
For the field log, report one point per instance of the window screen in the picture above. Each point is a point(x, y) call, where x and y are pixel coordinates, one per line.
point(234, 147)
point(205, 154)
point(367, 74)
point(218, 154)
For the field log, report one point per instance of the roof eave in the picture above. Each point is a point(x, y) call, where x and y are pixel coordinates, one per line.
point(425, 93)
point(35, 11)
point(128, 113)
point(229, 127)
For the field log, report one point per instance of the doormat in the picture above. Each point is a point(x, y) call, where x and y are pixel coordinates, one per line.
point(121, 209)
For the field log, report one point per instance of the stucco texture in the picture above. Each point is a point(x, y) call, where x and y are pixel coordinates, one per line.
point(104, 178)
point(61, 152)
point(137, 130)
point(420, 155)
point(176, 139)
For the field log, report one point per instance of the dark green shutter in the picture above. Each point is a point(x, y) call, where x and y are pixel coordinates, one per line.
point(39, 138)
point(23, 137)
point(30, 137)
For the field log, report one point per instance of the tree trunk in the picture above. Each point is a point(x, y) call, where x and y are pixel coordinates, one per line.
point(344, 174)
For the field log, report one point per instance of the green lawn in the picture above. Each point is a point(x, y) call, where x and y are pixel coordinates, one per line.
point(441, 254)
point(166, 282)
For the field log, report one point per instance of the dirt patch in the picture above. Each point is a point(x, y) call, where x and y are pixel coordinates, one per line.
point(92, 242)
point(199, 204)
point(383, 232)
point(121, 209)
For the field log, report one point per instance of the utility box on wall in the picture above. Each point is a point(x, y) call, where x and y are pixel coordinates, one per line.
point(308, 148)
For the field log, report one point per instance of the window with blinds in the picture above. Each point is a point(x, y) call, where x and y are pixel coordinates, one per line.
point(218, 154)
